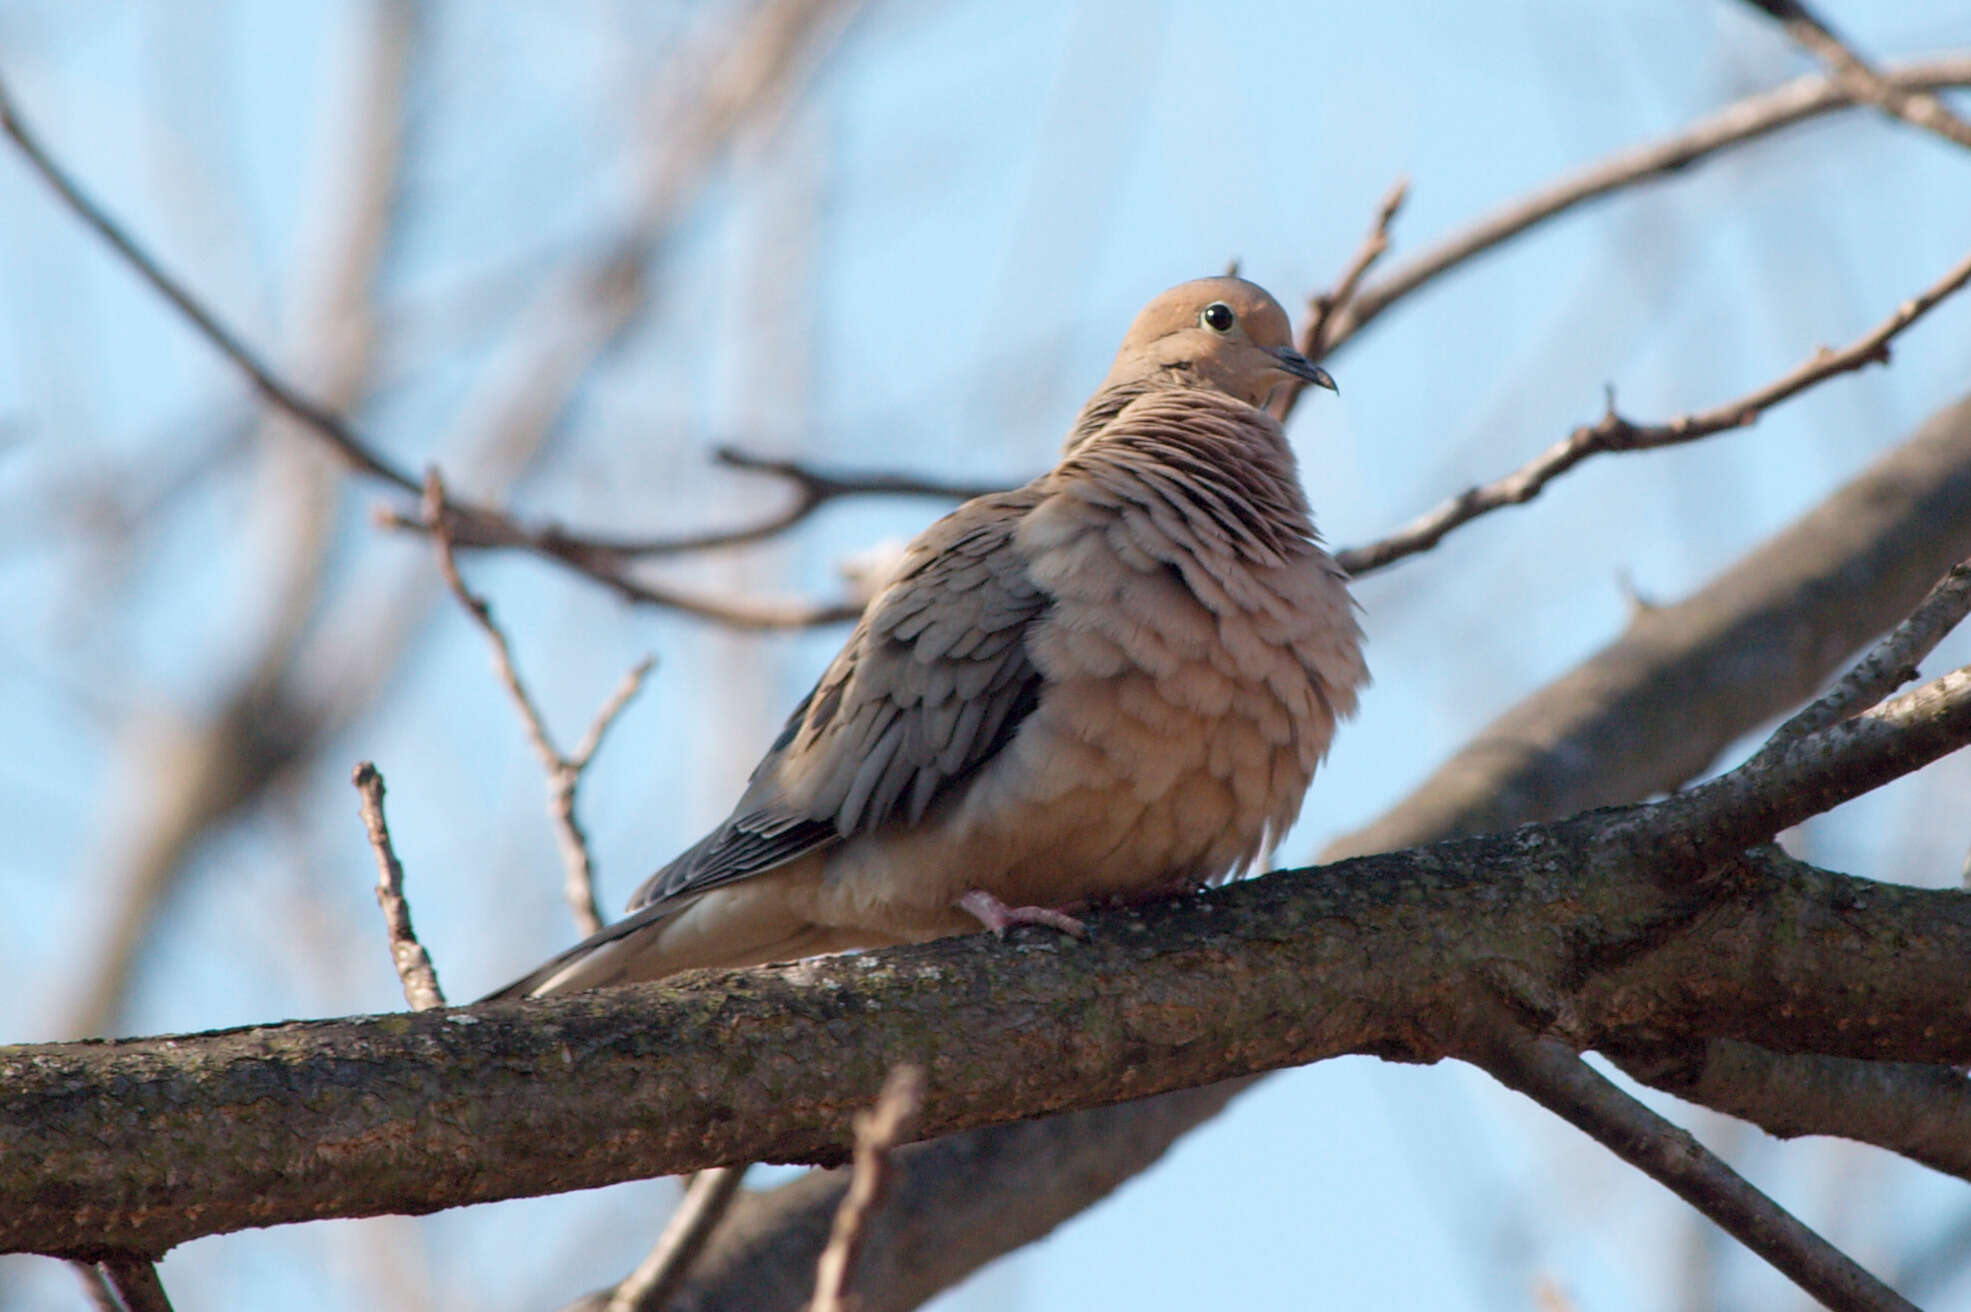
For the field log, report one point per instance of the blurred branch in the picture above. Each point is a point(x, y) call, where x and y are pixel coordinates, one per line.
point(813, 488)
point(878, 1132)
point(1550, 1073)
point(777, 40)
point(1736, 124)
point(1859, 79)
point(413, 963)
point(649, 1288)
point(322, 420)
point(1322, 307)
point(1921, 1112)
point(564, 771)
point(1641, 716)
point(198, 777)
point(136, 1284)
point(1614, 433)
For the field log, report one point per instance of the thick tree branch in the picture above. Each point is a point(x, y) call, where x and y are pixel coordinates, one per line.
point(1922, 1112)
point(414, 1112)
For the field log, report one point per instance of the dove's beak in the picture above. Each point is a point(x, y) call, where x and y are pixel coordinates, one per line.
point(1293, 362)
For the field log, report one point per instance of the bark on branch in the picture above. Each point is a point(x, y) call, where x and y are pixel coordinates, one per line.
point(137, 1145)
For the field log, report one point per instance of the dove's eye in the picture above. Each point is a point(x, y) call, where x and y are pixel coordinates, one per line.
point(1218, 317)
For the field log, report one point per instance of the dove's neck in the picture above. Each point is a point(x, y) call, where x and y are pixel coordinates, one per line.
point(1127, 383)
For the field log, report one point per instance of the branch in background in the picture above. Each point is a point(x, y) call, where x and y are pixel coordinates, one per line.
point(878, 1133)
point(1891, 663)
point(1614, 433)
point(813, 488)
point(322, 420)
point(413, 963)
point(564, 772)
point(775, 44)
point(1742, 122)
point(1549, 1073)
point(1736, 124)
point(201, 776)
point(656, 1279)
point(136, 1284)
point(1322, 307)
point(1642, 716)
point(1859, 79)
point(1916, 1111)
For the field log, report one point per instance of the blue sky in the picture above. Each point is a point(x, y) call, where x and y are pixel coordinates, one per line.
point(924, 261)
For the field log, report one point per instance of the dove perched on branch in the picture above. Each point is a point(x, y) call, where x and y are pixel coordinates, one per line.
point(1113, 682)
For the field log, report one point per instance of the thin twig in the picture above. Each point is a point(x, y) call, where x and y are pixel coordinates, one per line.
point(813, 487)
point(1615, 433)
point(413, 964)
point(1736, 124)
point(1891, 663)
point(662, 1271)
point(96, 1287)
point(1323, 306)
point(878, 1131)
point(330, 426)
point(136, 1284)
point(564, 772)
point(1551, 1074)
point(1859, 77)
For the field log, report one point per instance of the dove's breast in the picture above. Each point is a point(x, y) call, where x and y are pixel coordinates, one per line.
point(1191, 681)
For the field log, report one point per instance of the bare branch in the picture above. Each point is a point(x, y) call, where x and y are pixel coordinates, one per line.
point(813, 488)
point(1735, 125)
point(1788, 782)
point(325, 422)
point(1859, 78)
point(136, 1284)
point(1614, 433)
point(96, 1287)
point(878, 1132)
point(413, 964)
point(1892, 662)
point(564, 773)
point(1323, 306)
point(750, 80)
point(1550, 1073)
point(649, 1288)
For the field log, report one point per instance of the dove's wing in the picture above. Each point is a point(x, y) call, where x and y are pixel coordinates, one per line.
point(933, 682)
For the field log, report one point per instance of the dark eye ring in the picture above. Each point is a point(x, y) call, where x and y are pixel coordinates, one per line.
point(1218, 317)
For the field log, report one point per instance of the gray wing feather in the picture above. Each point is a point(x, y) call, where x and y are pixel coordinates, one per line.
point(934, 681)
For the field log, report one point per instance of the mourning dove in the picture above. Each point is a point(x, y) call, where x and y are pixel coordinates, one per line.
point(1114, 681)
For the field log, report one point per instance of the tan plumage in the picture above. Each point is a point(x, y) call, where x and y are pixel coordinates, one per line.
point(1115, 680)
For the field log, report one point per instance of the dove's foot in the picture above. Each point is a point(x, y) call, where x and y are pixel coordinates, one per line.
point(998, 917)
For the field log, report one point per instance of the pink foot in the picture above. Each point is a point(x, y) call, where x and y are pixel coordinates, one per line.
point(998, 917)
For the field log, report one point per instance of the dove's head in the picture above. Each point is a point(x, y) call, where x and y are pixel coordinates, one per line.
point(1222, 333)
